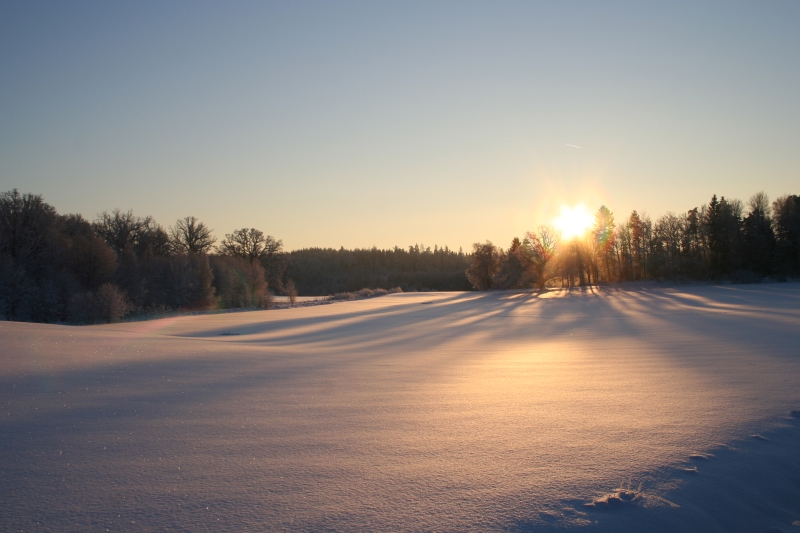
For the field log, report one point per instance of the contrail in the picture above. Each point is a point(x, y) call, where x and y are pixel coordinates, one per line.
point(565, 144)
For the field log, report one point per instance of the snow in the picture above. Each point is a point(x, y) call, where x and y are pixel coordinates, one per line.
point(299, 299)
point(604, 410)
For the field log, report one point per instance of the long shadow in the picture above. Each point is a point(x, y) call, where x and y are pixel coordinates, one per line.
point(377, 326)
point(111, 386)
point(460, 316)
point(139, 390)
point(69, 440)
point(45, 409)
point(716, 309)
point(337, 312)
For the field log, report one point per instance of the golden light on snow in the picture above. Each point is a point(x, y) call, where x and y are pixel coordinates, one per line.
point(474, 411)
point(574, 221)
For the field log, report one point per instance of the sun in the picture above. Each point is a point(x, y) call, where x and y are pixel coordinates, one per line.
point(574, 221)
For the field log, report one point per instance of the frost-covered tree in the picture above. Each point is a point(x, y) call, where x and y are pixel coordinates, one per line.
point(543, 246)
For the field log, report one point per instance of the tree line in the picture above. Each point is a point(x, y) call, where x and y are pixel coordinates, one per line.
point(724, 239)
point(65, 268)
point(322, 271)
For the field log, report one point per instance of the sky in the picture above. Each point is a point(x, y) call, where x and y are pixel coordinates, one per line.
point(379, 124)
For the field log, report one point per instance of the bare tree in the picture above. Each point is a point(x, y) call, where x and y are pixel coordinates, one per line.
point(25, 221)
point(543, 246)
point(189, 235)
point(759, 205)
point(249, 244)
point(154, 240)
point(666, 245)
point(116, 228)
point(141, 234)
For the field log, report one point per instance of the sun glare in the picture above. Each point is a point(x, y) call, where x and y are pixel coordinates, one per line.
point(574, 221)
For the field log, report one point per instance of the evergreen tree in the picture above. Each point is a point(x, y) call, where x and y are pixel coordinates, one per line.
point(758, 238)
point(786, 210)
point(485, 260)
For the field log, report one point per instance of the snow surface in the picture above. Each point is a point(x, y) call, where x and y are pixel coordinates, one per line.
point(603, 410)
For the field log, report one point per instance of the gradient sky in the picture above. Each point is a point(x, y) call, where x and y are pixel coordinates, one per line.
point(361, 124)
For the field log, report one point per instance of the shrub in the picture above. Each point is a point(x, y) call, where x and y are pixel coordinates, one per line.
point(362, 294)
point(342, 296)
point(291, 292)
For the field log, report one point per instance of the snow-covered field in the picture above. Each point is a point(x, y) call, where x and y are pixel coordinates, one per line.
point(413, 412)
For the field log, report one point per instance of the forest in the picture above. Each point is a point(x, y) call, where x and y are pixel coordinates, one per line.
point(65, 268)
point(721, 240)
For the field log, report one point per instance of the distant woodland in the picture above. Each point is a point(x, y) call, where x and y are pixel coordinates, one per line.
point(65, 268)
point(721, 240)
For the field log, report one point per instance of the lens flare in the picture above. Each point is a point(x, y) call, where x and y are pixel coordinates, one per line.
point(574, 221)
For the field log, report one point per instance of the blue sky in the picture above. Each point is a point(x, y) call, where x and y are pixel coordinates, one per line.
point(360, 124)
